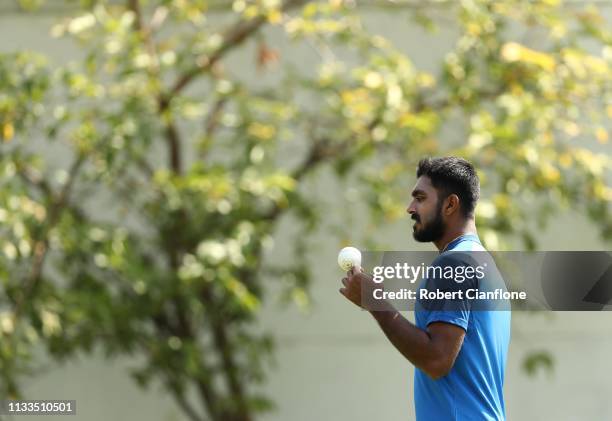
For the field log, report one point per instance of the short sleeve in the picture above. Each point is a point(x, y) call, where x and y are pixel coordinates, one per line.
point(447, 276)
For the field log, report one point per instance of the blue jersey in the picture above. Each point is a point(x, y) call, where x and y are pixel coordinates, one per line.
point(473, 389)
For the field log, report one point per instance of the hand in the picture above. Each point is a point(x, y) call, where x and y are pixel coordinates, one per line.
point(355, 282)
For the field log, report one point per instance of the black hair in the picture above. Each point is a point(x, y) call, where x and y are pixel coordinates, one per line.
point(452, 175)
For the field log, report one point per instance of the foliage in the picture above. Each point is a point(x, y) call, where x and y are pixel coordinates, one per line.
point(148, 235)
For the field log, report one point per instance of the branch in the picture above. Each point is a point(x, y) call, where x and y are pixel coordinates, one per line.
point(205, 388)
point(134, 6)
point(41, 244)
point(324, 149)
point(61, 8)
point(174, 146)
point(185, 405)
point(321, 150)
point(208, 397)
point(229, 368)
point(146, 33)
point(235, 36)
point(145, 166)
point(212, 120)
point(211, 124)
point(40, 183)
point(165, 327)
point(172, 133)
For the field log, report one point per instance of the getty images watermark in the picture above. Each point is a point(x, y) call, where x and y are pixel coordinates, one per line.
point(488, 281)
point(444, 272)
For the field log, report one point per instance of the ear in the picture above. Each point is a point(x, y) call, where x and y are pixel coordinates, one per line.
point(451, 205)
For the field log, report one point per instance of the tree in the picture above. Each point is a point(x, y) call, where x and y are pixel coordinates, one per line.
point(149, 238)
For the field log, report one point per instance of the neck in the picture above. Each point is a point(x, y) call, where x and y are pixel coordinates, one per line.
point(468, 227)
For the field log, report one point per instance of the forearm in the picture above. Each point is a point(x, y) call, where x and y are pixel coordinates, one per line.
point(415, 344)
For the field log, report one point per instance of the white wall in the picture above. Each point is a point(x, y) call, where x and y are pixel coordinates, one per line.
point(335, 364)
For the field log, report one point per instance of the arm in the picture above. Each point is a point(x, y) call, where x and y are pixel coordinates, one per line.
point(433, 350)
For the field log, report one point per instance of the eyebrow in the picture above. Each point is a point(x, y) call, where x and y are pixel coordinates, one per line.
point(418, 192)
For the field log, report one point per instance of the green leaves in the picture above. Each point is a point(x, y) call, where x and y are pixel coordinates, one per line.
point(157, 243)
point(541, 360)
point(24, 86)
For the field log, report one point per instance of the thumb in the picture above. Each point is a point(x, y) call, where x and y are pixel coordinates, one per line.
point(355, 269)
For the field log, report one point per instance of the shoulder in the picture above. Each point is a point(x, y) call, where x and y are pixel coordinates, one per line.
point(453, 258)
point(460, 266)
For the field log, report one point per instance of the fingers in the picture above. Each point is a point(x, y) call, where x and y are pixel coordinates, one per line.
point(348, 280)
point(344, 289)
point(354, 270)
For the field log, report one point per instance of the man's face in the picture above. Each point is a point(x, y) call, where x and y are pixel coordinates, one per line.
point(426, 210)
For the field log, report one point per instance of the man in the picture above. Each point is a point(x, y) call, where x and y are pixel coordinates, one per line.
point(459, 353)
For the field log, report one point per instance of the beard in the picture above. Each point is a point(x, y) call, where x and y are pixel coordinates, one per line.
point(432, 231)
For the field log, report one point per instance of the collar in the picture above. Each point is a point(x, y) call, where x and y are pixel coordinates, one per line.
point(463, 237)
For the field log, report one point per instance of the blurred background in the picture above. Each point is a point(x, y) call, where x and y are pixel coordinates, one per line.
point(178, 176)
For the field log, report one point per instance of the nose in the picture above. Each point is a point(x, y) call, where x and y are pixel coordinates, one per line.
point(411, 208)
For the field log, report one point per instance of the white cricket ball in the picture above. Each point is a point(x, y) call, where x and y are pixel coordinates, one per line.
point(349, 257)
